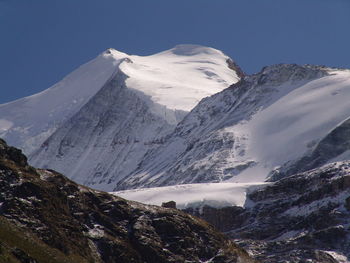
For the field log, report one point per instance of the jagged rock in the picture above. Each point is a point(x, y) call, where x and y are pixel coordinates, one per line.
point(301, 218)
point(170, 204)
point(304, 210)
point(223, 219)
point(46, 217)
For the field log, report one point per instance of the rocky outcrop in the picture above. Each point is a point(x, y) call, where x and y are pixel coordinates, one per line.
point(224, 219)
point(44, 217)
point(170, 204)
point(301, 218)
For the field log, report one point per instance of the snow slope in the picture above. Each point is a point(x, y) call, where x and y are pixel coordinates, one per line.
point(245, 132)
point(177, 78)
point(132, 112)
point(27, 122)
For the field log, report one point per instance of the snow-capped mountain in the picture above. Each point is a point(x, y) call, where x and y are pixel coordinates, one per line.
point(28, 122)
point(247, 133)
point(131, 128)
point(97, 124)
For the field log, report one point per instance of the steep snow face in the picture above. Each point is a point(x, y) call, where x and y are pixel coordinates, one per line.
point(27, 122)
point(175, 79)
point(132, 113)
point(243, 133)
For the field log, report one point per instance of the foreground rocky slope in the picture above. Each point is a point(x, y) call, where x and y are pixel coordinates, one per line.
point(302, 218)
point(44, 217)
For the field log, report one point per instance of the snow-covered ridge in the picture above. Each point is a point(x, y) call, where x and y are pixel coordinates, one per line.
point(180, 77)
point(244, 132)
point(175, 79)
point(35, 118)
point(137, 102)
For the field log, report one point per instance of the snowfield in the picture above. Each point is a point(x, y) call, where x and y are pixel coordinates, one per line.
point(194, 195)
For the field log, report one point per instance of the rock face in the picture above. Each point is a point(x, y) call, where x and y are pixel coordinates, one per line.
point(224, 218)
point(301, 218)
point(170, 204)
point(44, 217)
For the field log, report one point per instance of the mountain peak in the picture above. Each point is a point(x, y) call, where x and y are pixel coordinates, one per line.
point(115, 54)
point(191, 50)
point(278, 73)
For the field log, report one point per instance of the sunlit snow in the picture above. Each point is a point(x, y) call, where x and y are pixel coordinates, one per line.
point(194, 195)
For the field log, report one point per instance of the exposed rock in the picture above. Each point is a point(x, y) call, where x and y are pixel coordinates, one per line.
point(223, 219)
point(234, 66)
point(170, 204)
point(53, 218)
point(301, 218)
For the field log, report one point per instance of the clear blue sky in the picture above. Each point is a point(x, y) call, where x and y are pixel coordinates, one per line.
point(43, 40)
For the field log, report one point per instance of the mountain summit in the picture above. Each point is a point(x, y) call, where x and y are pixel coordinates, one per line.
point(97, 124)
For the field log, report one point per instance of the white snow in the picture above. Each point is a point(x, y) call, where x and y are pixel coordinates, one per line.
point(29, 121)
point(241, 139)
point(337, 256)
point(5, 125)
point(174, 80)
point(180, 77)
point(193, 195)
point(287, 129)
point(96, 232)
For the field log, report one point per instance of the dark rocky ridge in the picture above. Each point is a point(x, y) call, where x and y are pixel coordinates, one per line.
point(296, 219)
point(44, 217)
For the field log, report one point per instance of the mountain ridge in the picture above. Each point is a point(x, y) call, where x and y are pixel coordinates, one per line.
point(221, 139)
point(137, 106)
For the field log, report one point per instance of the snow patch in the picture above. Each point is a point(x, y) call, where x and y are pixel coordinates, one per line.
point(5, 125)
point(96, 232)
point(193, 195)
point(337, 256)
